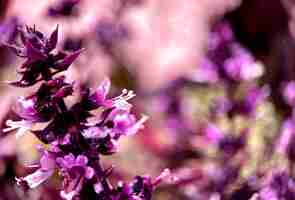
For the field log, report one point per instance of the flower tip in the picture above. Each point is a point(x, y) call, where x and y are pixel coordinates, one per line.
point(165, 176)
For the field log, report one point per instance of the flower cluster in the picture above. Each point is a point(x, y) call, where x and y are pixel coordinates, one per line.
point(219, 122)
point(41, 61)
point(78, 132)
point(226, 59)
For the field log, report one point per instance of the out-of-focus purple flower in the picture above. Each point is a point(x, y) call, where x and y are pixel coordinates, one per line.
point(207, 72)
point(247, 190)
point(64, 8)
point(222, 177)
point(289, 93)
point(213, 133)
point(8, 31)
point(73, 44)
point(108, 32)
point(221, 105)
point(286, 143)
point(254, 97)
point(231, 144)
point(226, 59)
point(241, 65)
point(140, 188)
point(280, 186)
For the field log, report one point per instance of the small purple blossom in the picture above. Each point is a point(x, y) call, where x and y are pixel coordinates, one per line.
point(289, 93)
point(287, 138)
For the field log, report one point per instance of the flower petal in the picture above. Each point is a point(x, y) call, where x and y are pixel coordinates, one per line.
point(52, 41)
point(38, 177)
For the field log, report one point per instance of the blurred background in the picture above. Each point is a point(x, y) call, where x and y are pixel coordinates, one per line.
point(214, 77)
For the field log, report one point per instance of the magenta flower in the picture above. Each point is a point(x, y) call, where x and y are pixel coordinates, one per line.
point(289, 93)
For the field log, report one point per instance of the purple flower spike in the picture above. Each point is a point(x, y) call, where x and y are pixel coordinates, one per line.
point(76, 137)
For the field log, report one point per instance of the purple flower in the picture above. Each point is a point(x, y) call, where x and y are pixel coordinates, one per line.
point(43, 105)
point(226, 59)
point(76, 137)
point(108, 32)
point(242, 67)
point(230, 145)
point(207, 72)
point(213, 133)
point(289, 93)
point(287, 139)
point(254, 97)
point(46, 169)
point(279, 186)
point(8, 31)
point(140, 188)
point(125, 123)
point(74, 170)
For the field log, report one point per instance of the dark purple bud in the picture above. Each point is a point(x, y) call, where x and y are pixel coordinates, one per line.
point(63, 92)
point(52, 41)
point(68, 60)
point(34, 54)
